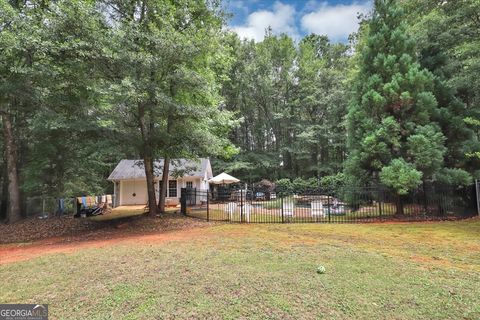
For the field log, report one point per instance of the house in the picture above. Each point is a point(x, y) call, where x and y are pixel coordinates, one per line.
point(130, 185)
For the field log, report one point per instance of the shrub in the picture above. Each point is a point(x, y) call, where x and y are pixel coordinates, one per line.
point(305, 185)
point(297, 186)
point(284, 187)
point(454, 177)
point(333, 184)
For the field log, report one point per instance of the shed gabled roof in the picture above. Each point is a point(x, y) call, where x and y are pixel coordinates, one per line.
point(134, 169)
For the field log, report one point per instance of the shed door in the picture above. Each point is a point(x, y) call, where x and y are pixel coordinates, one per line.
point(129, 188)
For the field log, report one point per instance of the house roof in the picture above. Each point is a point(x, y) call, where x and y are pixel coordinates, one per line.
point(134, 169)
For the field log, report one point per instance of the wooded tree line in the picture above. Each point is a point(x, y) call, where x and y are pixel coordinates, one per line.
point(86, 83)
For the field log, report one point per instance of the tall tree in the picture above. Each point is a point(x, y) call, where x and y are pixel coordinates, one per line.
point(392, 136)
point(21, 53)
point(291, 101)
point(447, 34)
point(164, 54)
point(70, 139)
point(321, 98)
point(260, 91)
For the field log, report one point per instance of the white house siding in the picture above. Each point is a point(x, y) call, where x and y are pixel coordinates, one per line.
point(182, 183)
point(139, 187)
point(128, 171)
point(198, 183)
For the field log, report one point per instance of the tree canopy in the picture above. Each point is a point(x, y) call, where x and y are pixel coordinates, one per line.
point(86, 83)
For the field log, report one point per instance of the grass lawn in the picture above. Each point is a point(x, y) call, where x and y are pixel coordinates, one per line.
point(226, 271)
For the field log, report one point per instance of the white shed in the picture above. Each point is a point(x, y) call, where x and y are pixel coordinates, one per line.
point(130, 186)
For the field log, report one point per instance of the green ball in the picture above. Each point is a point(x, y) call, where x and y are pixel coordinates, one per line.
point(321, 270)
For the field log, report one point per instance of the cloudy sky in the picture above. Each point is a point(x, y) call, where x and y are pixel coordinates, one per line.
point(335, 18)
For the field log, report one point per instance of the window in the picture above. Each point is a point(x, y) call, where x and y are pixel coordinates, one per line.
point(172, 188)
point(189, 185)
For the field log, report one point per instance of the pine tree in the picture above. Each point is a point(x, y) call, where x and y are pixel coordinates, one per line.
point(391, 136)
point(447, 35)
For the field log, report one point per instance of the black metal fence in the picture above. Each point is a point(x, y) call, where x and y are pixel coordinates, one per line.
point(477, 191)
point(343, 206)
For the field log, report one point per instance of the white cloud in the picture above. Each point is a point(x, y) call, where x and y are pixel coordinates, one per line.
point(335, 21)
point(281, 19)
point(237, 5)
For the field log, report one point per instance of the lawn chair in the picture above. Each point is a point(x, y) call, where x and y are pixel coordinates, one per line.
point(317, 208)
point(288, 207)
point(247, 208)
point(230, 209)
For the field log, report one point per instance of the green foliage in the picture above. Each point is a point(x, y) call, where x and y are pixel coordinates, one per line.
point(62, 129)
point(305, 185)
point(296, 186)
point(447, 37)
point(291, 102)
point(284, 187)
point(472, 121)
point(475, 123)
point(168, 73)
point(401, 176)
point(454, 177)
point(426, 148)
point(87, 83)
point(391, 121)
point(333, 183)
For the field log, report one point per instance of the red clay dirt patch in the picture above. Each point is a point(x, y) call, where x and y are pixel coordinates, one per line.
point(15, 252)
point(20, 245)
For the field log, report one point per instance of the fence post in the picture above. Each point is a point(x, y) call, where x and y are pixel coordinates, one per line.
point(477, 191)
point(380, 203)
point(183, 201)
point(328, 206)
point(241, 205)
point(208, 206)
point(425, 200)
point(281, 205)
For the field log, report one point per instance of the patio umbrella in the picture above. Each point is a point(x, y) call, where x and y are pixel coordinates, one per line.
point(223, 178)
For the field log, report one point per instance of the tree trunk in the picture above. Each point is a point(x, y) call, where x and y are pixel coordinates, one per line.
point(147, 161)
point(14, 213)
point(4, 194)
point(164, 185)
point(399, 205)
point(150, 175)
point(166, 162)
